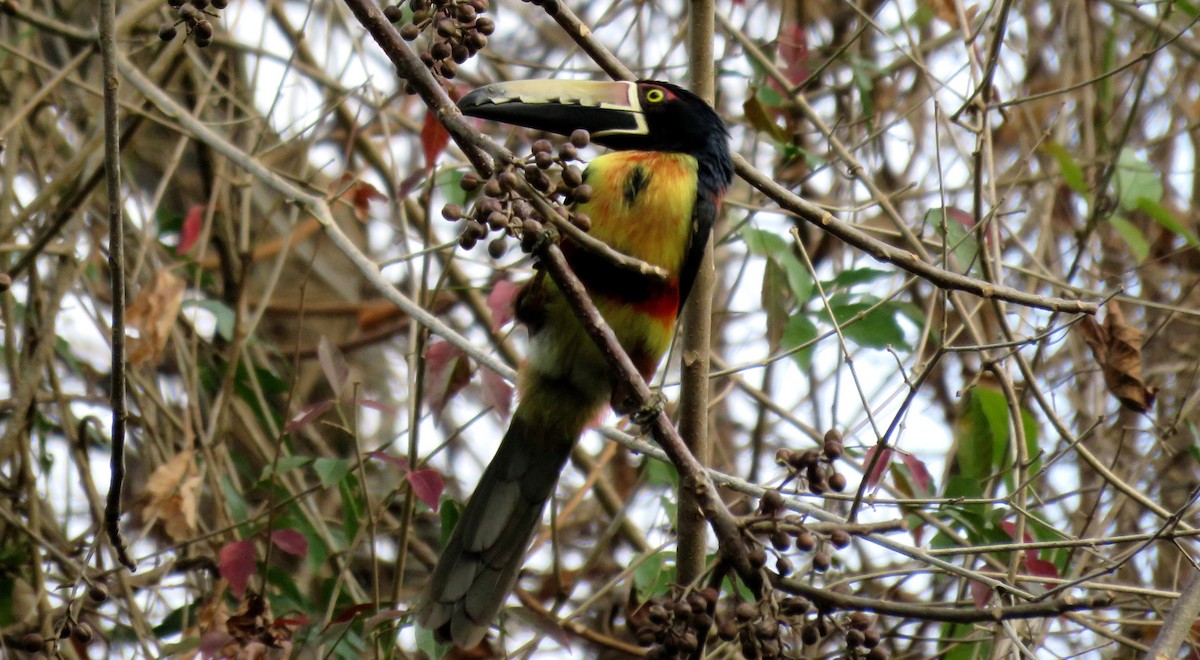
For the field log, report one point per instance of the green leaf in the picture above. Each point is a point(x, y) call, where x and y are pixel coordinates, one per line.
point(284, 464)
point(799, 331)
point(659, 473)
point(876, 329)
point(351, 508)
point(1136, 180)
point(779, 250)
point(449, 512)
point(1072, 173)
point(447, 180)
point(982, 434)
point(654, 575)
point(962, 242)
point(1133, 237)
point(223, 313)
point(1162, 216)
point(331, 470)
point(185, 645)
point(763, 243)
point(854, 276)
point(234, 501)
point(775, 303)
point(1188, 8)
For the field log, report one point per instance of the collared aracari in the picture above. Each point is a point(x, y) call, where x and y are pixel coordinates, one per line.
point(655, 198)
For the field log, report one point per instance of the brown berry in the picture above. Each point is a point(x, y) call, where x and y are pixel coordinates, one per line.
point(82, 632)
point(33, 642)
point(840, 538)
point(452, 212)
point(393, 13)
point(98, 593)
point(810, 635)
point(583, 194)
point(580, 138)
point(167, 32)
point(497, 247)
point(469, 182)
point(859, 621)
point(583, 221)
point(771, 503)
point(821, 561)
point(806, 541)
point(781, 541)
point(727, 630)
point(568, 152)
point(744, 611)
point(572, 176)
point(837, 482)
point(757, 556)
point(854, 638)
point(485, 26)
point(783, 566)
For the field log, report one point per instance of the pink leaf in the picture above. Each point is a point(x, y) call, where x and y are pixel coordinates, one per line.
point(920, 474)
point(881, 465)
point(434, 139)
point(448, 372)
point(1040, 567)
point(427, 485)
point(497, 393)
point(793, 52)
point(236, 564)
point(396, 461)
point(501, 302)
point(307, 415)
point(980, 593)
point(290, 541)
point(193, 222)
point(376, 406)
point(333, 364)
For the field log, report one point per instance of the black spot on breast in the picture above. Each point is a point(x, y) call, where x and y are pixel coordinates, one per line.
point(635, 183)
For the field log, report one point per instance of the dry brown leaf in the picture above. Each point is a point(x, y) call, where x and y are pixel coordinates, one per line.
point(171, 498)
point(153, 315)
point(1118, 348)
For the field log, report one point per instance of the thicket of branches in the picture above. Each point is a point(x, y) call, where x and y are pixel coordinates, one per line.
point(953, 375)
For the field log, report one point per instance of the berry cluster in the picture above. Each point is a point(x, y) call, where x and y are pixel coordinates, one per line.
point(457, 31)
point(768, 628)
point(501, 208)
point(673, 628)
point(68, 628)
point(816, 466)
point(194, 15)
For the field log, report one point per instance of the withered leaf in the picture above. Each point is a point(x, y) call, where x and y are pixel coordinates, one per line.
point(152, 315)
point(1118, 348)
point(170, 500)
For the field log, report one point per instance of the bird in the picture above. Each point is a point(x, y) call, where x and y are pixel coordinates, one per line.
point(655, 197)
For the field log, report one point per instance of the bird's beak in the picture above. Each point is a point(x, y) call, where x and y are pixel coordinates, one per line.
point(561, 106)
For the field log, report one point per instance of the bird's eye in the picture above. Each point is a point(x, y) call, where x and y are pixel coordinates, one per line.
point(655, 95)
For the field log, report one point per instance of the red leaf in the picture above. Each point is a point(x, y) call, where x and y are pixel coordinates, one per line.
point(980, 593)
point(500, 302)
point(397, 461)
point(434, 139)
point(333, 364)
point(427, 485)
point(236, 564)
point(349, 614)
point(881, 466)
point(290, 541)
point(307, 415)
point(1010, 528)
point(497, 393)
point(920, 474)
point(193, 222)
point(448, 370)
point(1040, 567)
point(300, 620)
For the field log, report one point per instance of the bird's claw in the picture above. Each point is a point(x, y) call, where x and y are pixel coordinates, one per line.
point(652, 409)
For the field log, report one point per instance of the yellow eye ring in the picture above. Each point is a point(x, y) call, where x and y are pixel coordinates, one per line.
point(655, 95)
